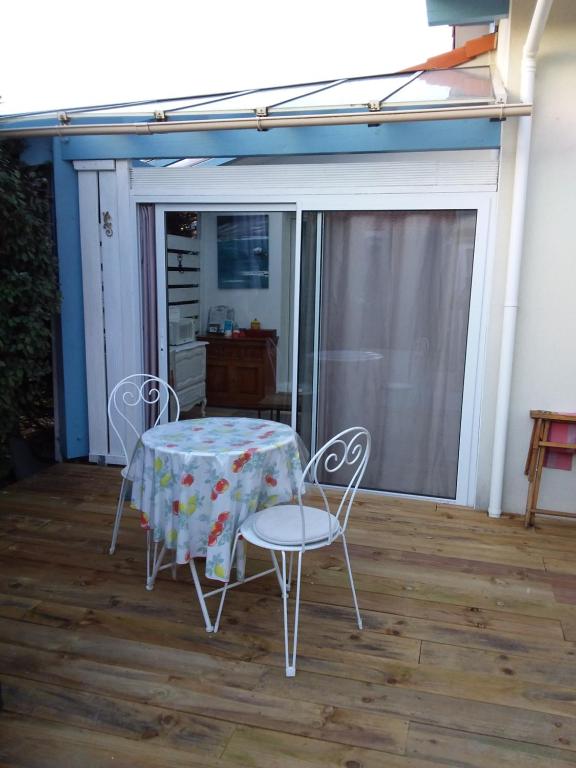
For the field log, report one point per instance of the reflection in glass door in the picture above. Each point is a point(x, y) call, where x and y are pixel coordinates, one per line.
point(388, 339)
point(225, 288)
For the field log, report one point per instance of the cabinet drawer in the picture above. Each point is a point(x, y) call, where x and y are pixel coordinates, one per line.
point(187, 366)
point(240, 371)
point(191, 396)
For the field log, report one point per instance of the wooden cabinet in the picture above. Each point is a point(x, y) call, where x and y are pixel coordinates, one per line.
point(188, 373)
point(240, 370)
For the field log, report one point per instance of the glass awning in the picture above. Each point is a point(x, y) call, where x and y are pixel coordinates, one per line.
point(404, 90)
point(470, 85)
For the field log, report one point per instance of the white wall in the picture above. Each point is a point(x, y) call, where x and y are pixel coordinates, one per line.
point(545, 360)
point(265, 304)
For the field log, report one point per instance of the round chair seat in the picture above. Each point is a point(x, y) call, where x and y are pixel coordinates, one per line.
point(282, 525)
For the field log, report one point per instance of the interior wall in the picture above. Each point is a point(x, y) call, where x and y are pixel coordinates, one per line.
point(544, 360)
point(265, 304)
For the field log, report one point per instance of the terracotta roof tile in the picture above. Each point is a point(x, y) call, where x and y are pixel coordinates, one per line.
point(461, 55)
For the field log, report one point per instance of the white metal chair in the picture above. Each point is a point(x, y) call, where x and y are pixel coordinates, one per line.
point(130, 401)
point(295, 528)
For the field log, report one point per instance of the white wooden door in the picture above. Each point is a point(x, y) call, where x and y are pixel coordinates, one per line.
point(110, 280)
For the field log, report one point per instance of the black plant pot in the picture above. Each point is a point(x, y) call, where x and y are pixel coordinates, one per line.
point(24, 461)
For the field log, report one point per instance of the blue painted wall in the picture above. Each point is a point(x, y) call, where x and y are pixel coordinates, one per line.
point(389, 137)
point(452, 12)
point(72, 384)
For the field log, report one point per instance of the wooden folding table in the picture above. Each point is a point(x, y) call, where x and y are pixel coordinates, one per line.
point(539, 443)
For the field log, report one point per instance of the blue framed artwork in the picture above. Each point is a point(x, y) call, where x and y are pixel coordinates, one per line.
point(242, 251)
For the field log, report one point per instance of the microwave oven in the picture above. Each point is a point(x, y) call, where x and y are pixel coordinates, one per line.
point(182, 330)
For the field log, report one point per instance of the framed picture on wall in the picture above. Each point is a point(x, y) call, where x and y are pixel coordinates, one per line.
point(243, 251)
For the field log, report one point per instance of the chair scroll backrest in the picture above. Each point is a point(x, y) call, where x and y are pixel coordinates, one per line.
point(348, 451)
point(127, 406)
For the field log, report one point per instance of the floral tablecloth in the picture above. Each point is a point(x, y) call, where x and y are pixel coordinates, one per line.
point(195, 482)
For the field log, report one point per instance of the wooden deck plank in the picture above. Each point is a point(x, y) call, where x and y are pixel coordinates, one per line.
point(446, 613)
point(102, 591)
point(411, 603)
point(246, 608)
point(73, 668)
point(561, 565)
point(247, 642)
point(448, 747)
point(491, 594)
point(33, 743)
point(465, 715)
point(516, 595)
point(504, 665)
point(213, 690)
point(256, 748)
point(116, 716)
point(465, 660)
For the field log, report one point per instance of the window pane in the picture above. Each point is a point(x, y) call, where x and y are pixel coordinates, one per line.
point(393, 327)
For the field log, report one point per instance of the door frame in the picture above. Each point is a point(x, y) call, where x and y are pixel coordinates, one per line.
point(483, 200)
point(474, 369)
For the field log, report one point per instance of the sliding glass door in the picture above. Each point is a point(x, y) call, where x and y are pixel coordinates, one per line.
point(224, 285)
point(385, 331)
point(385, 302)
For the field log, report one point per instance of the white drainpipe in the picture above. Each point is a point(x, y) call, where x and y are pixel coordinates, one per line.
point(517, 222)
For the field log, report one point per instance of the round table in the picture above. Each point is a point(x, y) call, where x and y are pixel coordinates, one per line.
point(195, 482)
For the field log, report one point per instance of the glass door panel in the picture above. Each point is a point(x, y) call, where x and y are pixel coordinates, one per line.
point(186, 357)
point(308, 327)
point(394, 299)
point(225, 288)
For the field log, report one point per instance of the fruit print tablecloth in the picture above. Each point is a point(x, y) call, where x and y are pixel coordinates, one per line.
point(195, 482)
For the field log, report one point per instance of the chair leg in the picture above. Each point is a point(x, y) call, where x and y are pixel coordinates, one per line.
point(148, 569)
point(289, 583)
point(358, 617)
point(198, 586)
point(119, 510)
point(225, 590)
point(277, 569)
point(285, 610)
point(291, 667)
point(173, 567)
point(156, 562)
point(292, 670)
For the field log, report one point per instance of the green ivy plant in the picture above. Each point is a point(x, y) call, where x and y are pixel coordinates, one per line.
point(29, 295)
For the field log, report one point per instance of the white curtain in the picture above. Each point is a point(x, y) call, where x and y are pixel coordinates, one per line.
point(147, 250)
point(307, 326)
point(395, 296)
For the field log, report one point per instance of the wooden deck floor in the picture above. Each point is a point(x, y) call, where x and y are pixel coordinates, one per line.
point(468, 656)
